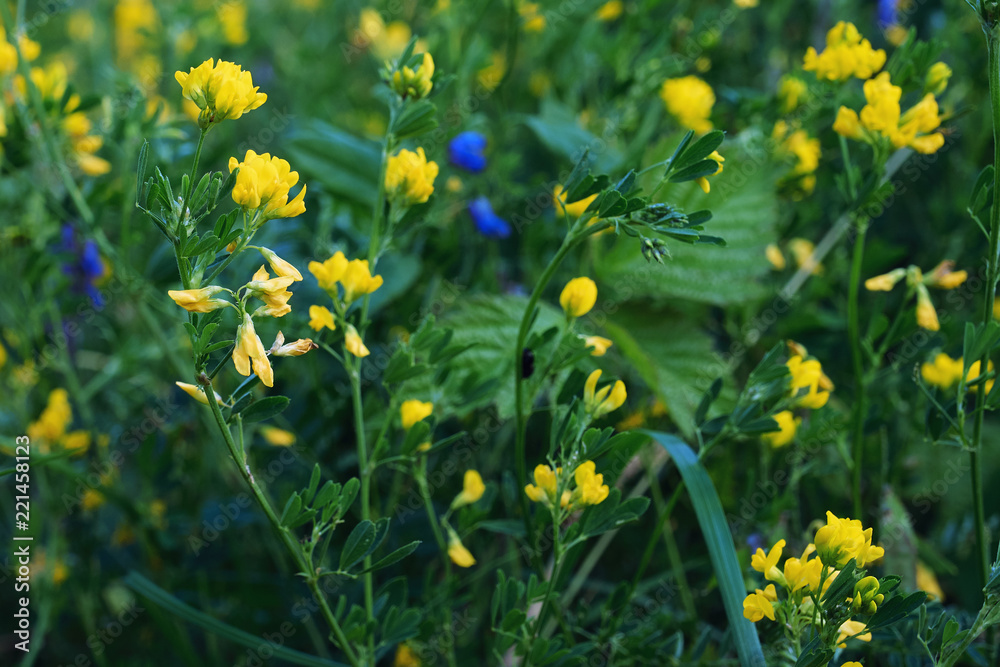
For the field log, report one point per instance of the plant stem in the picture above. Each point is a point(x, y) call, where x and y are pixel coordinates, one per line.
point(557, 561)
point(425, 494)
point(982, 544)
point(859, 379)
point(364, 472)
point(290, 543)
point(194, 172)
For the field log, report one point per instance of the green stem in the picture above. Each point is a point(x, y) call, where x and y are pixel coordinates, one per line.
point(859, 379)
point(557, 561)
point(193, 173)
point(425, 494)
point(365, 473)
point(289, 541)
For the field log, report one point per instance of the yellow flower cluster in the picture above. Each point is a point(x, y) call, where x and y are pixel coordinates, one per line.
point(262, 185)
point(409, 177)
point(881, 120)
point(689, 99)
point(942, 276)
point(221, 90)
point(608, 399)
point(407, 83)
point(50, 427)
point(945, 372)
point(846, 54)
point(385, 41)
point(806, 152)
point(840, 540)
point(809, 388)
point(589, 488)
point(353, 275)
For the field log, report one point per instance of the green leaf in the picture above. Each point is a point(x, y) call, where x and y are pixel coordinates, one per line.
point(696, 170)
point(265, 408)
point(393, 558)
point(700, 150)
point(168, 602)
point(346, 166)
point(292, 509)
point(141, 172)
point(358, 542)
point(721, 551)
point(556, 126)
point(417, 118)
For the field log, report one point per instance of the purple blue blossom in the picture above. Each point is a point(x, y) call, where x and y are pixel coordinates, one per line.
point(466, 151)
point(487, 221)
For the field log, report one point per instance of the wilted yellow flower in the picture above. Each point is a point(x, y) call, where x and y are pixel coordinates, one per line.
point(279, 348)
point(703, 181)
point(787, 425)
point(249, 349)
point(608, 399)
point(277, 437)
point(358, 280)
point(599, 343)
point(937, 78)
point(409, 177)
point(459, 555)
point(886, 281)
point(846, 54)
point(319, 317)
point(757, 605)
point(690, 100)
point(199, 300)
point(578, 296)
point(574, 209)
point(417, 85)
point(262, 184)
point(353, 342)
point(610, 10)
point(221, 90)
point(472, 489)
point(943, 372)
point(198, 393)
point(233, 17)
point(413, 411)
point(774, 256)
point(840, 540)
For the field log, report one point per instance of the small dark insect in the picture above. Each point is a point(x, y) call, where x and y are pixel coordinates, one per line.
point(527, 363)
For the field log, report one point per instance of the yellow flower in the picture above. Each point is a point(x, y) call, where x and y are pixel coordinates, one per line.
point(604, 401)
point(534, 21)
point(134, 20)
point(490, 76)
point(459, 555)
point(413, 411)
point(262, 185)
point(757, 605)
point(472, 490)
point(943, 372)
point(328, 273)
point(610, 10)
point(221, 90)
point(417, 85)
point(199, 300)
point(319, 317)
point(544, 488)
point(590, 487)
point(746, 4)
point(846, 54)
point(353, 342)
point(926, 315)
point(853, 629)
point(92, 499)
point(249, 349)
point(282, 268)
point(409, 177)
point(974, 373)
point(774, 256)
point(866, 598)
point(574, 209)
point(791, 91)
point(57, 415)
point(405, 657)
point(233, 17)
point(272, 291)
point(847, 123)
point(77, 442)
point(767, 563)
point(277, 437)
point(3, 356)
point(840, 540)
point(886, 281)
point(852, 663)
point(943, 276)
point(386, 41)
point(703, 181)
point(578, 296)
point(937, 78)
point(927, 582)
point(198, 393)
point(802, 250)
point(690, 100)
point(805, 149)
point(803, 572)
point(807, 374)
point(881, 122)
point(599, 344)
point(358, 280)
point(787, 425)
point(279, 348)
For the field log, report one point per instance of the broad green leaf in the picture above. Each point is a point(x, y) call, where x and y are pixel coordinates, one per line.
point(265, 408)
point(358, 542)
point(345, 165)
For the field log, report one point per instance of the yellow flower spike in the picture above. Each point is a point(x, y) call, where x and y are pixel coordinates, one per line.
point(599, 343)
point(358, 280)
point(572, 209)
point(849, 629)
point(937, 78)
point(544, 488)
point(757, 605)
point(198, 393)
point(846, 54)
point(277, 437)
point(472, 490)
point(329, 273)
point(262, 185)
point(353, 342)
point(578, 296)
point(808, 375)
point(788, 424)
point(926, 315)
point(407, 83)
point(943, 372)
point(199, 300)
point(459, 555)
point(413, 411)
point(409, 177)
point(767, 563)
point(689, 99)
point(319, 317)
point(249, 350)
point(282, 268)
point(840, 540)
point(886, 281)
point(221, 90)
point(279, 348)
point(703, 181)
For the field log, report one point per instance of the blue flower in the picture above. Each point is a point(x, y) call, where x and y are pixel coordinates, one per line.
point(86, 267)
point(887, 15)
point(487, 221)
point(466, 151)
